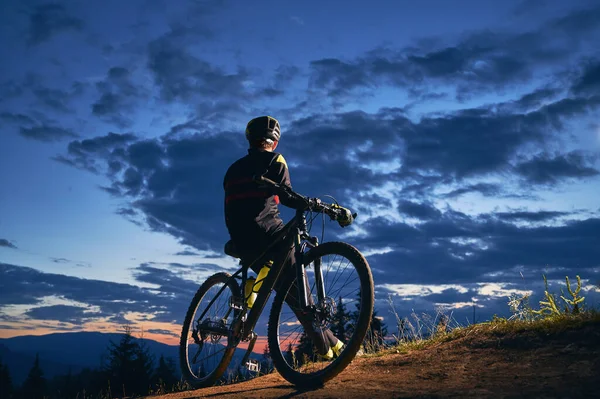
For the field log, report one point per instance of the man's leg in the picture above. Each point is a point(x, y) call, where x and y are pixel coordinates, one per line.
point(323, 339)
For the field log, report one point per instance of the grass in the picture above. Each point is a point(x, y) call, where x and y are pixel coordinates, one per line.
point(551, 318)
point(495, 328)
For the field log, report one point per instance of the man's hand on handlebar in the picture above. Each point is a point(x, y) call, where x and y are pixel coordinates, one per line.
point(342, 215)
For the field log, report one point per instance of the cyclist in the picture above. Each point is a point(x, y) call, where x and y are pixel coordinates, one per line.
point(252, 214)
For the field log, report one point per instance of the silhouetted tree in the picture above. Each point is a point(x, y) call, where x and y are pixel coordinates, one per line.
point(164, 377)
point(34, 386)
point(6, 386)
point(144, 365)
point(340, 321)
point(305, 351)
point(375, 337)
point(289, 356)
point(266, 362)
point(64, 386)
point(129, 367)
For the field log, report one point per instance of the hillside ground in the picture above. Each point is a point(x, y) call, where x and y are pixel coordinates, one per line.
point(549, 358)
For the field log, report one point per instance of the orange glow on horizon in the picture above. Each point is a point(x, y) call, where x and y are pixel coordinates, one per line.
point(139, 330)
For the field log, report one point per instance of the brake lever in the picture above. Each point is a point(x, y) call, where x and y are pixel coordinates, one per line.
point(262, 180)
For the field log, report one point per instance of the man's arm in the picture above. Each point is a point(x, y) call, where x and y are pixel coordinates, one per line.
point(278, 172)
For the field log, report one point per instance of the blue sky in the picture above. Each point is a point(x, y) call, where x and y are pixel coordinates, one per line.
point(465, 134)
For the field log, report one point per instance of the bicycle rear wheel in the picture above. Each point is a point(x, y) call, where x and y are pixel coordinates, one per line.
point(204, 355)
point(348, 283)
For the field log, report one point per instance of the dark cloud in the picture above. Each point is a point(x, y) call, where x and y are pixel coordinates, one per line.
point(187, 253)
point(535, 99)
point(451, 295)
point(64, 313)
point(126, 212)
point(23, 285)
point(215, 93)
point(549, 169)
point(458, 249)
point(57, 100)
point(166, 280)
point(162, 332)
point(479, 62)
point(180, 75)
point(16, 118)
point(118, 97)
point(47, 133)
point(26, 286)
point(168, 179)
point(48, 20)
point(90, 154)
point(589, 81)
point(422, 211)
point(174, 182)
point(437, 149)
point(7, 244)
point(527, 216)
point(486, 189)
point(74, 262)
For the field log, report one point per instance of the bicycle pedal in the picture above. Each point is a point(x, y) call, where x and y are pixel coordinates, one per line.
point(236, 303)
point(253, 365)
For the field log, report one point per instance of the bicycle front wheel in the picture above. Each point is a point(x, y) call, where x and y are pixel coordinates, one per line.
point(203, 353)
point(345, 312)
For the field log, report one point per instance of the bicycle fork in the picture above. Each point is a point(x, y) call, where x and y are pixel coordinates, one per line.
point(303, 289)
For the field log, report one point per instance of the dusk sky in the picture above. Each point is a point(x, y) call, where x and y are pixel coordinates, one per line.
point(464, 133)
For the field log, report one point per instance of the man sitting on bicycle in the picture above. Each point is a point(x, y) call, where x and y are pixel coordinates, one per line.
point(252, 213)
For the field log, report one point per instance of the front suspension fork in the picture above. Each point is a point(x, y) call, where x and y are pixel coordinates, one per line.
point(303, 290)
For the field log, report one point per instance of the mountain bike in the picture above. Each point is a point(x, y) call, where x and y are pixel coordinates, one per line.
point(331, 275)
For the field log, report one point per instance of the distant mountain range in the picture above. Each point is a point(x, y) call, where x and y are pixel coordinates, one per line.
point(61, 352)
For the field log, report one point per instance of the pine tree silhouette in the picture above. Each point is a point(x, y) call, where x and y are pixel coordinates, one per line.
point(66, 388)
point(266, 363)
point(129, 366)
point(6, 386)
point(305, 351)
point(164, 377)
point(340, 321)
point(375, 337)
point(34, 386)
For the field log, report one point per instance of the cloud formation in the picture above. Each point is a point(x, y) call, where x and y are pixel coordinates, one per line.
point(95, 300)
point(48, 20)
point(480, 61)
point(7, 244)
point(119, 97)
point(548, 169)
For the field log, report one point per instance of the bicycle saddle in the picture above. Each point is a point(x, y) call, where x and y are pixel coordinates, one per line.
point(231, 250)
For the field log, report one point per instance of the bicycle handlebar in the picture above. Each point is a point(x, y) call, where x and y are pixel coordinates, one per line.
point(342, 215)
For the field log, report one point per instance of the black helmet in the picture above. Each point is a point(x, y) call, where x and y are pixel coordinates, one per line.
point(263, 127)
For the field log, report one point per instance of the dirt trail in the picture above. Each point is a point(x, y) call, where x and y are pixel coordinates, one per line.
point(564, 365)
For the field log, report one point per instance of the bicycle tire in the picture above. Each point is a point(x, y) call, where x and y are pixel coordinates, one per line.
point(353, 345)
point(208, 380)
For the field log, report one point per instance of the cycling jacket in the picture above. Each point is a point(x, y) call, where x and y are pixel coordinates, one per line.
point(251, 211)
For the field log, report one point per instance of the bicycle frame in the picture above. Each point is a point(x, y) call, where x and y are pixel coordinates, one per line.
point(294, 232)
